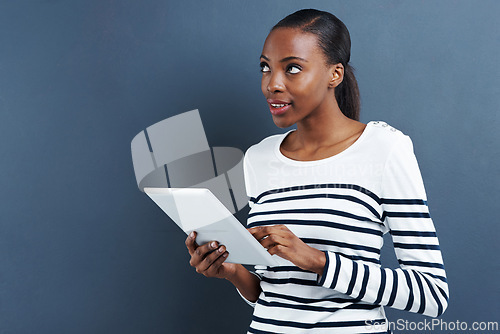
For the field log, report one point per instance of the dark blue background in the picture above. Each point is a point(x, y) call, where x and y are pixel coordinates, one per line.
point(83, 251)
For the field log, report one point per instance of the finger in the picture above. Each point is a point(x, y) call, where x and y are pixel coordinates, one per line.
point(283, 227)
point(278, 249)
point(215, 267)
point(273, 240)
point(201, 252)
point(210, 259)
point(266, 227)
point(261, 232)
point(191, 242)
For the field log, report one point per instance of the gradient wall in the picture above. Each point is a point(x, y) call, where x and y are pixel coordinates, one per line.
point(83, 251)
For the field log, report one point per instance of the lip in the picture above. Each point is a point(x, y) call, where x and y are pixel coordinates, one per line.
point(278, 111)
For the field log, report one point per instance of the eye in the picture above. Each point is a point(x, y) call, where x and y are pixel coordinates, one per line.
point(264, 68)
point(293, 69)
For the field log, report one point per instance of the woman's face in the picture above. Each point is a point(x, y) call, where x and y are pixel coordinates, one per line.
point(295, 78)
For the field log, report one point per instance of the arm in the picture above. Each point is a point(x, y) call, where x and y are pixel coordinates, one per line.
point(208, 259)
point(420, 284)
point(247, 283)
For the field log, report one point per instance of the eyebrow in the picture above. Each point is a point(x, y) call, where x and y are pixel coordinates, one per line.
point(285, 59)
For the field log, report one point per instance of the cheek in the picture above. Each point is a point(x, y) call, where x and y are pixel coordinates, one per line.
point(263, 85)
point(309, 90)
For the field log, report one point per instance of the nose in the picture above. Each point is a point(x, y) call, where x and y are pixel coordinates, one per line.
point(275, 83)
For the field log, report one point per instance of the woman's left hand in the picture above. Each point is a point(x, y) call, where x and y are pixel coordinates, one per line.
point(279, 240)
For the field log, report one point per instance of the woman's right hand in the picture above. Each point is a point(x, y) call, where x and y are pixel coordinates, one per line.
point(208, 259)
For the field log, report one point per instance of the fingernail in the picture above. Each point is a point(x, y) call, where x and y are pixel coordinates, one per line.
point(221, 249)
point(213, 244)
point(191, 235)
point(225, 254)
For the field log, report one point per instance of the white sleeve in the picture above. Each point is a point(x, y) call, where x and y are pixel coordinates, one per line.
point(419, 285)
point(249, 302)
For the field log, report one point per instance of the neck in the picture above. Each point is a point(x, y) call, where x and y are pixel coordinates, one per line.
point(323, 127)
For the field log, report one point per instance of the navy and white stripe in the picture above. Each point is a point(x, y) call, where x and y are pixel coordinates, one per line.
point(345, 215)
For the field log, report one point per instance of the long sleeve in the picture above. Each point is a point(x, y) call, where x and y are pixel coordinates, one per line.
point(420, 284)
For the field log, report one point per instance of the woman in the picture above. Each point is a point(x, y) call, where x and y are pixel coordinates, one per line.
point(323, 195)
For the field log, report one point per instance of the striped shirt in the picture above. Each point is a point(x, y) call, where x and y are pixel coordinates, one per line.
point(342, 205)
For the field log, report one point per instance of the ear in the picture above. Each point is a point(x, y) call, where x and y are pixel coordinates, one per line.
point(336, 75)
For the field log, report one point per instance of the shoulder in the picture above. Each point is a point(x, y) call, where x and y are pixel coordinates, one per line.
point(385, 138)
point(265, 146)
point(401, 176)
point(384, 133)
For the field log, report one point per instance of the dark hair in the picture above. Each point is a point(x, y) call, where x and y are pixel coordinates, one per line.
point(334, 39)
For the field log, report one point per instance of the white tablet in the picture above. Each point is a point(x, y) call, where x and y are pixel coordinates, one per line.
point(197, 209)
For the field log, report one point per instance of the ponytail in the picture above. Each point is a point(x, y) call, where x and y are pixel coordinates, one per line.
point(347, 94)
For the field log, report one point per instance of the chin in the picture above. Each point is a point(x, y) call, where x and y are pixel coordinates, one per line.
point(281, 123)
